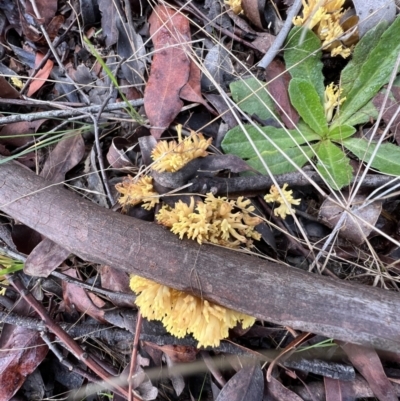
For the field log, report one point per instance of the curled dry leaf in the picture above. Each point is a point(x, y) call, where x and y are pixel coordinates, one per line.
point(116, 154)
point(354, 229)
point(170, 67)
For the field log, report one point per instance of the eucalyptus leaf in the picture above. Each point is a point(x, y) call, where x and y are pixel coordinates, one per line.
point(252, 97)
point(306, 101)
point(303, 58)
point(333, 165)
point(278, 164)
point(341, 132)
point(375, 71)
point(387, 159)
point(236, 142)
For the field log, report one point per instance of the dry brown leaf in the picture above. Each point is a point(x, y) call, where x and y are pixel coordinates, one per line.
point(367, 362)
point(76, 298)
point(66, 155)
point(278, 79)
point(354, 229)
point(41, 76)
point(170, 68)
point(21, 352)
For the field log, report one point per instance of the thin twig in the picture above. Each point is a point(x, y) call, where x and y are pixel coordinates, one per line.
point(56, 43)
point(69, 342)
point(54, 52)
point(29, 102)
point(194, 10)
point(280, 39)
point(135, 350)
point(68, 113)
point(97, 138)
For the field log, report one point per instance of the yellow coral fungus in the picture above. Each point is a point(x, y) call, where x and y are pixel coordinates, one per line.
point(332, 100)
point(235, 5)
point(183, 313)
point(324, 17)
point(213, 220)
point(172, 156)
point(280, 195)
point(134, 191)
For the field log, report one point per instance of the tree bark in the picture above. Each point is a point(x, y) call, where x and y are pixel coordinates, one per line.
point(266, 290)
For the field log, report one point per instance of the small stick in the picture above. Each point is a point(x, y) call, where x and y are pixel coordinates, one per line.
point(280, 39)
point(68, 113)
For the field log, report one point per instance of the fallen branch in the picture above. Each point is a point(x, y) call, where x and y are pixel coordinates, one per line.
point(266, 290)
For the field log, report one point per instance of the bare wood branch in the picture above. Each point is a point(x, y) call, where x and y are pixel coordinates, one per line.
point(266, 290)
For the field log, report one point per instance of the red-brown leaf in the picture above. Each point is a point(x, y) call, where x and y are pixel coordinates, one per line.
point(388, 113)
point(76, 298)
point(46, 9)
point(192, 89)
point(277, 391)
point(278, 79)
point(367, 362)
point(66, 155)
point(18, 134)
point(118, 281)
point(21, 351)
point(247, 384)
point(41, 76)
point(338, 390)
point(45, 258)
point(169, 70)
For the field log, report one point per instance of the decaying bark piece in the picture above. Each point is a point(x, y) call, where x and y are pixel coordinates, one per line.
point(266, 290)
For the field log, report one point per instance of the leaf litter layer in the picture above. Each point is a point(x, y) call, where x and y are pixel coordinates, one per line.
point(324, 124)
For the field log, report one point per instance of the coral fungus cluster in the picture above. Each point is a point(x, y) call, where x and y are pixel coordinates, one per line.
point(172, 156)
point(285, 198)
point(134, 191)
point(325, 18)
point(183, 313)
point(332, 100)
point(217, 220)
point(214, 220)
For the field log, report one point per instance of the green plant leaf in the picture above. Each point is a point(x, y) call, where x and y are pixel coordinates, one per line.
point(278, 164)
point(236, 143)
point(303, 58)
point(252, 97)
point(360, 54)
point(374, 72)
point(387, 159)
point(306, 101)
point(341, 132)
point(333, 165)
point(364, 115)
